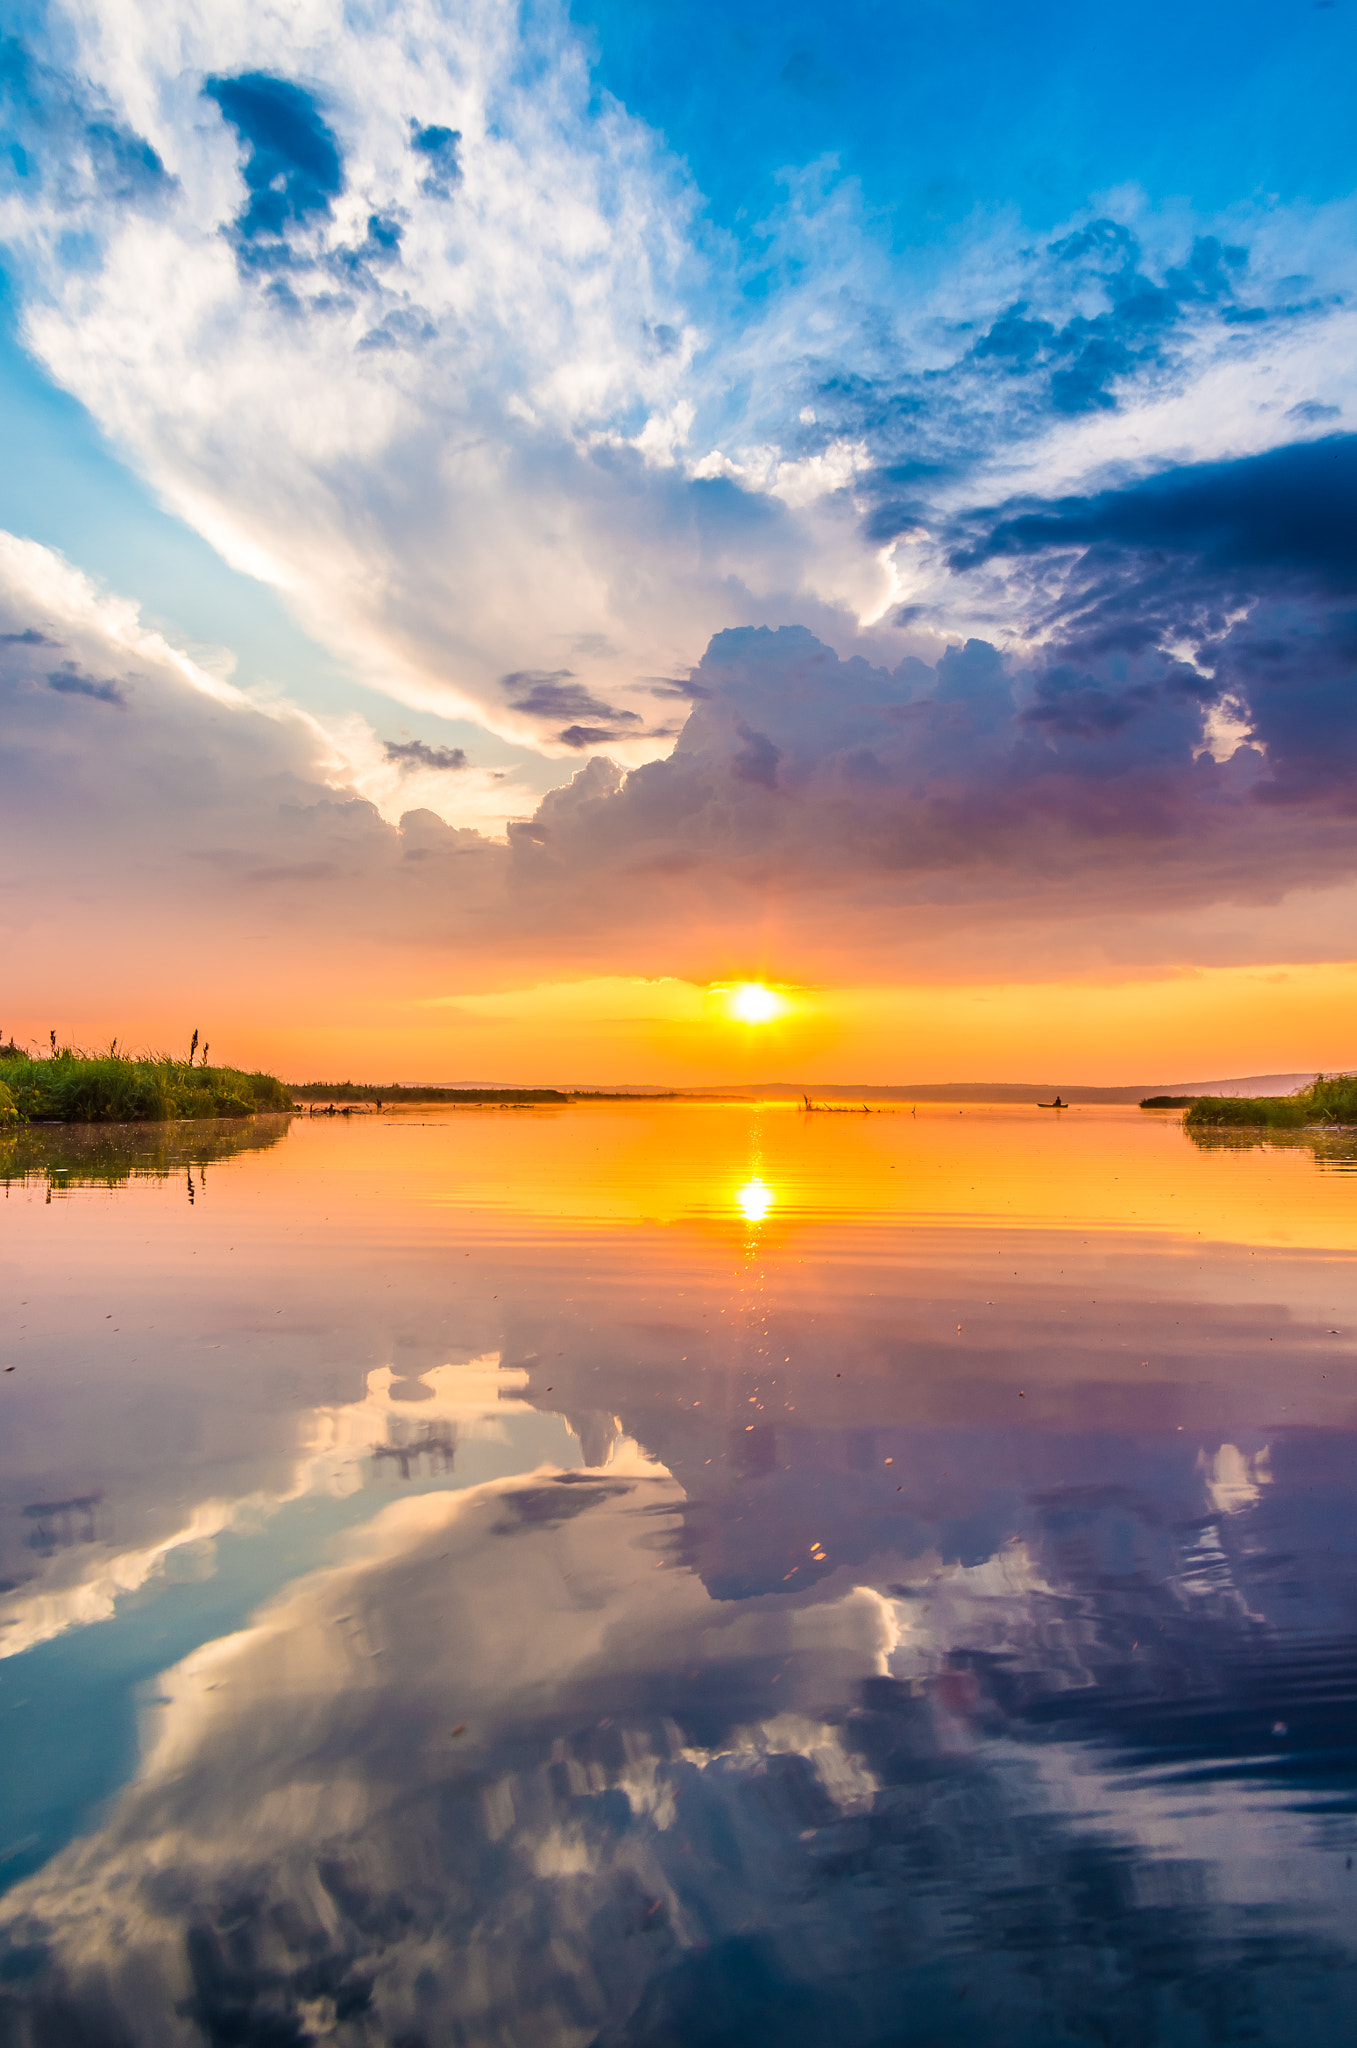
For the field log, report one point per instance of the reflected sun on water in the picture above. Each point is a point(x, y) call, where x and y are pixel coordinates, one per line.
point(754, 1200)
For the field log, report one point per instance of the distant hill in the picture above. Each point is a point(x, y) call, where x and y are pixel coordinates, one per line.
point(919, 1091)
point(1033, 1091)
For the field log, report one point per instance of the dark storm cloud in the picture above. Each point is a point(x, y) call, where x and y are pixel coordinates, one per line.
point(686, 687)
point(293, 168)
point(1298, 678)
point(582, 736)
point(1251, 565)
point(1288, 514)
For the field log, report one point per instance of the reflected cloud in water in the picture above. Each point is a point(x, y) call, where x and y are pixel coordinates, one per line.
point(927, 1634)
point(341, 1449)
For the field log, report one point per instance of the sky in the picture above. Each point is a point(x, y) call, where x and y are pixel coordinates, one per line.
point(517, 523)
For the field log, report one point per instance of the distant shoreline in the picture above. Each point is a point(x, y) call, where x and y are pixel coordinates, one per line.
point(71, 1086)
point(1252, 1086)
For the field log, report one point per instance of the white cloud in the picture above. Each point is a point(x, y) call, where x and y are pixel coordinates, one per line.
point(228, 742)
point(467, 457)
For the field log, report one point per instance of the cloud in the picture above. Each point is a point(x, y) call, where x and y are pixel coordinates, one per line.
point(464, 311)
point(756, 759)
point(418, 754)
point(546, 697)
point(1102, 774)
point(760, 1766)
point(1246, 571)
point(67, 146)
point(1098, 796)
point(441, 351)
point(1284, 516)
point(1090, 355)
point(171, 794)
point(557, 695)
point(68, 681)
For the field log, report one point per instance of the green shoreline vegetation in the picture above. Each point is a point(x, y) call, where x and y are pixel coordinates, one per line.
point(379, 1097)
point(1328, 1101)
point(491, 1098)
point(67, 1086)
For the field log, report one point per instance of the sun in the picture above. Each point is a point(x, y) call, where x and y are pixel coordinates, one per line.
point(752, 1003)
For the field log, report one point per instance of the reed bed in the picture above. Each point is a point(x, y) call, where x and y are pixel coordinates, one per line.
point(68, 1086)
point(1330, 1099)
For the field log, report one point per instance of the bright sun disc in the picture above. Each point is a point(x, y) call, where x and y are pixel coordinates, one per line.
point(752, 1003)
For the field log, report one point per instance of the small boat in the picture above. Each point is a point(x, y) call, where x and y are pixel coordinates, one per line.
point(1057, 1104)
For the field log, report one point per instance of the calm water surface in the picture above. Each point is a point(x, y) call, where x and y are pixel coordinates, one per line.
point(674, 1576)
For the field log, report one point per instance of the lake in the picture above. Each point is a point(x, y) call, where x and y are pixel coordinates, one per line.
point(678, 1575)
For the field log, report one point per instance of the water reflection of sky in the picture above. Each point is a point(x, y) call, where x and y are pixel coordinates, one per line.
point(637, 1577)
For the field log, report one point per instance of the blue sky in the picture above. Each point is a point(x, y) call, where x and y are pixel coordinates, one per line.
point(942, 106)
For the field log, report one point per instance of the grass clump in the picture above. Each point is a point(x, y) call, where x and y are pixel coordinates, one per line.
point(70, 1087)
point(1271, 1112)
point(1330, 1099)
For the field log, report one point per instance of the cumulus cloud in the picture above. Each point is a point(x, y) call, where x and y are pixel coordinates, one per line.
point(1079, 782)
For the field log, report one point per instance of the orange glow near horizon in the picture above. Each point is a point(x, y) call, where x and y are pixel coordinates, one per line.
point(613, 1030)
